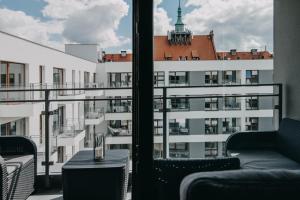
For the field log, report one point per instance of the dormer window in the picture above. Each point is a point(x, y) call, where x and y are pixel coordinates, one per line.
point(254, 51)
point(123, 53)
point(233, 52)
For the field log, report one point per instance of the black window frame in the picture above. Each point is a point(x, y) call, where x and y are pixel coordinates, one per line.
point(210, 78)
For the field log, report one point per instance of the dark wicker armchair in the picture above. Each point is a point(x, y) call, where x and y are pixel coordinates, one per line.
point(170, 172)
point(18, 167)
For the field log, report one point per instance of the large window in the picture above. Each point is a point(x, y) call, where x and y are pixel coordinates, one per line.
point(211, 126)
point(252, 124)
point(252, 103)
point(17, 127)
point(232, 103)
point(211, 149)
point(117, 80)
point(119, 106)
point(179, 126)
point(179, 150)
point(158, 104)
point(229, 77)
point(159, 79)
point(211, 104)
point(12, 74)
point(158, 127)
point(252, 77)
point(211, 78)
point(58, 76)
point(180, 104)
point(178, 78)
point(231, 125)
point(120, 127)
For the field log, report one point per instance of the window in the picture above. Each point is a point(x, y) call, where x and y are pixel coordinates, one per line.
point(211, 149)
point(229, 77)
point(159, 79)
point(120, 127)
point(158, 127)
point(178, 78)
point(231, 125)
point(252, 124)
point(58, 77)
point(211, 104)
point(179, 150)
point(180, 104)
point(178, 127)
point(117, 80)
point(118, 105)
point(252, 77)
point(232, 103)
point(12, 74)
point(211, 78)
point(158, 104)
point(252, 103)
point(211, 126)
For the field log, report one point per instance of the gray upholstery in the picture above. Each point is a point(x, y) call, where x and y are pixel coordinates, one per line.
point(17, 167)
point(265, 159)
point(20, 176)
point(241, 184)
point(270, 168)
point(288, 139)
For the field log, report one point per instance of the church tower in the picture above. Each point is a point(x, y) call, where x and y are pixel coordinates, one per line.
point(180, 36)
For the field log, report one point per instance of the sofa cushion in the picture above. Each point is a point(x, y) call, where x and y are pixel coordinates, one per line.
point(241, 184)
point(288, 139)
point(265, 159)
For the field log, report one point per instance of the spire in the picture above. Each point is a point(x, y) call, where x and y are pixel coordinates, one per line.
point(179, 26)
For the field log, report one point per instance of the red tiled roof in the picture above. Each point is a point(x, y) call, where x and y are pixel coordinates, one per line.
point(201, 48)
point(117, 58)
point(244, 55)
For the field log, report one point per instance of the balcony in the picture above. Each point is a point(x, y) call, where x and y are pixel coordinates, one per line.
point(94, 93)
point(119, 109)
point(70, 133)
point(114, 131)
point(94, 117)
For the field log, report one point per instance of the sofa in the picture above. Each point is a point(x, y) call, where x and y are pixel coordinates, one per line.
point(269, 167)
point(18, 167)
point(168, 173)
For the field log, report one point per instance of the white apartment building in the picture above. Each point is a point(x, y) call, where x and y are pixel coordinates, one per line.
point(187, 65)
point(28, 65)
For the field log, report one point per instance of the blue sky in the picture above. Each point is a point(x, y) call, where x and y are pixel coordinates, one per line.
point(238, 24)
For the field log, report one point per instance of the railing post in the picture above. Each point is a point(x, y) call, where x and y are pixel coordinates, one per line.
point(47, 142)
point(165, 134)
point(280, 103)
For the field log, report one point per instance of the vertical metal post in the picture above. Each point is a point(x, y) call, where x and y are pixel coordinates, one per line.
point(280, 103)
point(47, 143)
point(142, 115)
point(165, 137)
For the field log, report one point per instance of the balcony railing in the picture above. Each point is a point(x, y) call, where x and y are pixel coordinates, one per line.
point(167, 93)
point(119, 109)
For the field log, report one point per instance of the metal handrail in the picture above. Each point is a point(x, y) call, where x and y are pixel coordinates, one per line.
point(46, 99)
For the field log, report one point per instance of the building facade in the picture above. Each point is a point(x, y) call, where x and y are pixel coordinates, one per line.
point(210, 94)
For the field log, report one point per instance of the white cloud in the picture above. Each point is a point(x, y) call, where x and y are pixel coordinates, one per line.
point(162, 22)
point(241, 24)
point(89, 21)
point(22, 25)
